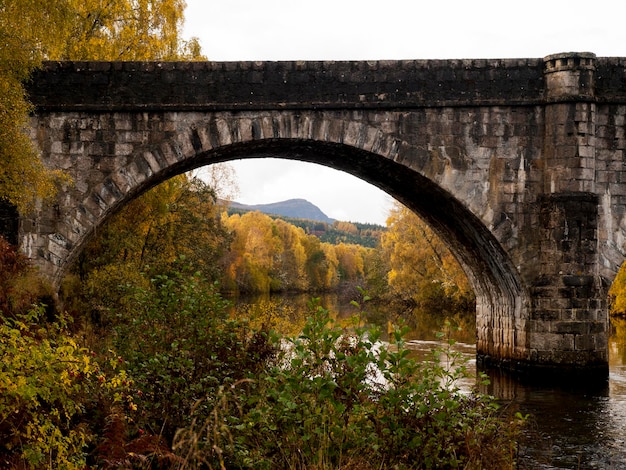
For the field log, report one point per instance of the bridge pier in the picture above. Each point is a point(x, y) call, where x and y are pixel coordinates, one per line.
point(568, 325)
point(569, 317)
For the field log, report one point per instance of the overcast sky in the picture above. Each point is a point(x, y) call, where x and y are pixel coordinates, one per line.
point(386, 29)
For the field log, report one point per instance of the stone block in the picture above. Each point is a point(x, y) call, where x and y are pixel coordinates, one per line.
point(570, 327)
point(597, 327)
point(552, 342)
point(585, 343)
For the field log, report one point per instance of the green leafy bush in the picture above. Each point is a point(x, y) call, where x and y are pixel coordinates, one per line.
point(180, 346)
point(52, 393)
point(339, 398)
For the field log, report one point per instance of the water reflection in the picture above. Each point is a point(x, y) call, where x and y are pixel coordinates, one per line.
point(572, 426)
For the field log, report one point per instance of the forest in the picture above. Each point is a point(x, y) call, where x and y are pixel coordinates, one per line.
point(139, 361)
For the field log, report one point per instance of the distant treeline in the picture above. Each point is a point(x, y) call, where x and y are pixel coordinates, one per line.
point(354, 233)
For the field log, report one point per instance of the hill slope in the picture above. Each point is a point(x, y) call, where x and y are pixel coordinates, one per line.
point(295, 208)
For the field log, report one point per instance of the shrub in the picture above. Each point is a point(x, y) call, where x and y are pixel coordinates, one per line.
point(180, 346)
point(51, 393)
point(339, 398)
point(20, 285)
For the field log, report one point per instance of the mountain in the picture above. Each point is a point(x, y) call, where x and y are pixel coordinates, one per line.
point(295, 208)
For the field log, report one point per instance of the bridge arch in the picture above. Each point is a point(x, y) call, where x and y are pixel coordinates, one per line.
point(517, 163)
point(344, 144)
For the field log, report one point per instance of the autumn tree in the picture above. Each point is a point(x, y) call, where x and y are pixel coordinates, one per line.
point(617, 293)
point(290, 274)
point(126, 30)
point(321, 264)
point(271, 255)
point(251, 255)
point(265, 254)
point(29, 32)
point(176, 220)
point(222, 178)
point(422, 271)
point(35, 30)
point(51, 384)
point(348, 227)
point(351, 261)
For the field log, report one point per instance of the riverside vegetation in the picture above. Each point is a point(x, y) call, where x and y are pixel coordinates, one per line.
point(173, 381)
point(145, 367)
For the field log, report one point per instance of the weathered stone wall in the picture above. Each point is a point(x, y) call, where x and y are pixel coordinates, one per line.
point(518, 164)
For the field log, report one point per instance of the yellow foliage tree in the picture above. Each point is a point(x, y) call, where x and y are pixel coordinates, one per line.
point(126, 30)
point(351, 260)
point(271, 255)
point(290, 274)
point(176, 220)
point(617, 293)
point(48, 381)
point(346, 227)
point(422, 271)
point(29, 31)
point(253, 250)
point(330, 267)
point(36, 30)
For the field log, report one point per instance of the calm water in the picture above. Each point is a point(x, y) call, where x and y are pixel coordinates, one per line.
point(579, 426)
point(574, 426)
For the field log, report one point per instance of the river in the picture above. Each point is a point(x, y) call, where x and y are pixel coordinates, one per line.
point(570, 426)
point(580, 426)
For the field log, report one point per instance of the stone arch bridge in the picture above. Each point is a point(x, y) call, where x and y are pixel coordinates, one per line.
point(517, 163)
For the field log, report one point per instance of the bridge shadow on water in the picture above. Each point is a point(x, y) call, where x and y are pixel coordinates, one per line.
point(576, 423)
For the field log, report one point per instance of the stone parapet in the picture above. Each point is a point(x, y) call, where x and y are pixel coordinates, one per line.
point(118, 86)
